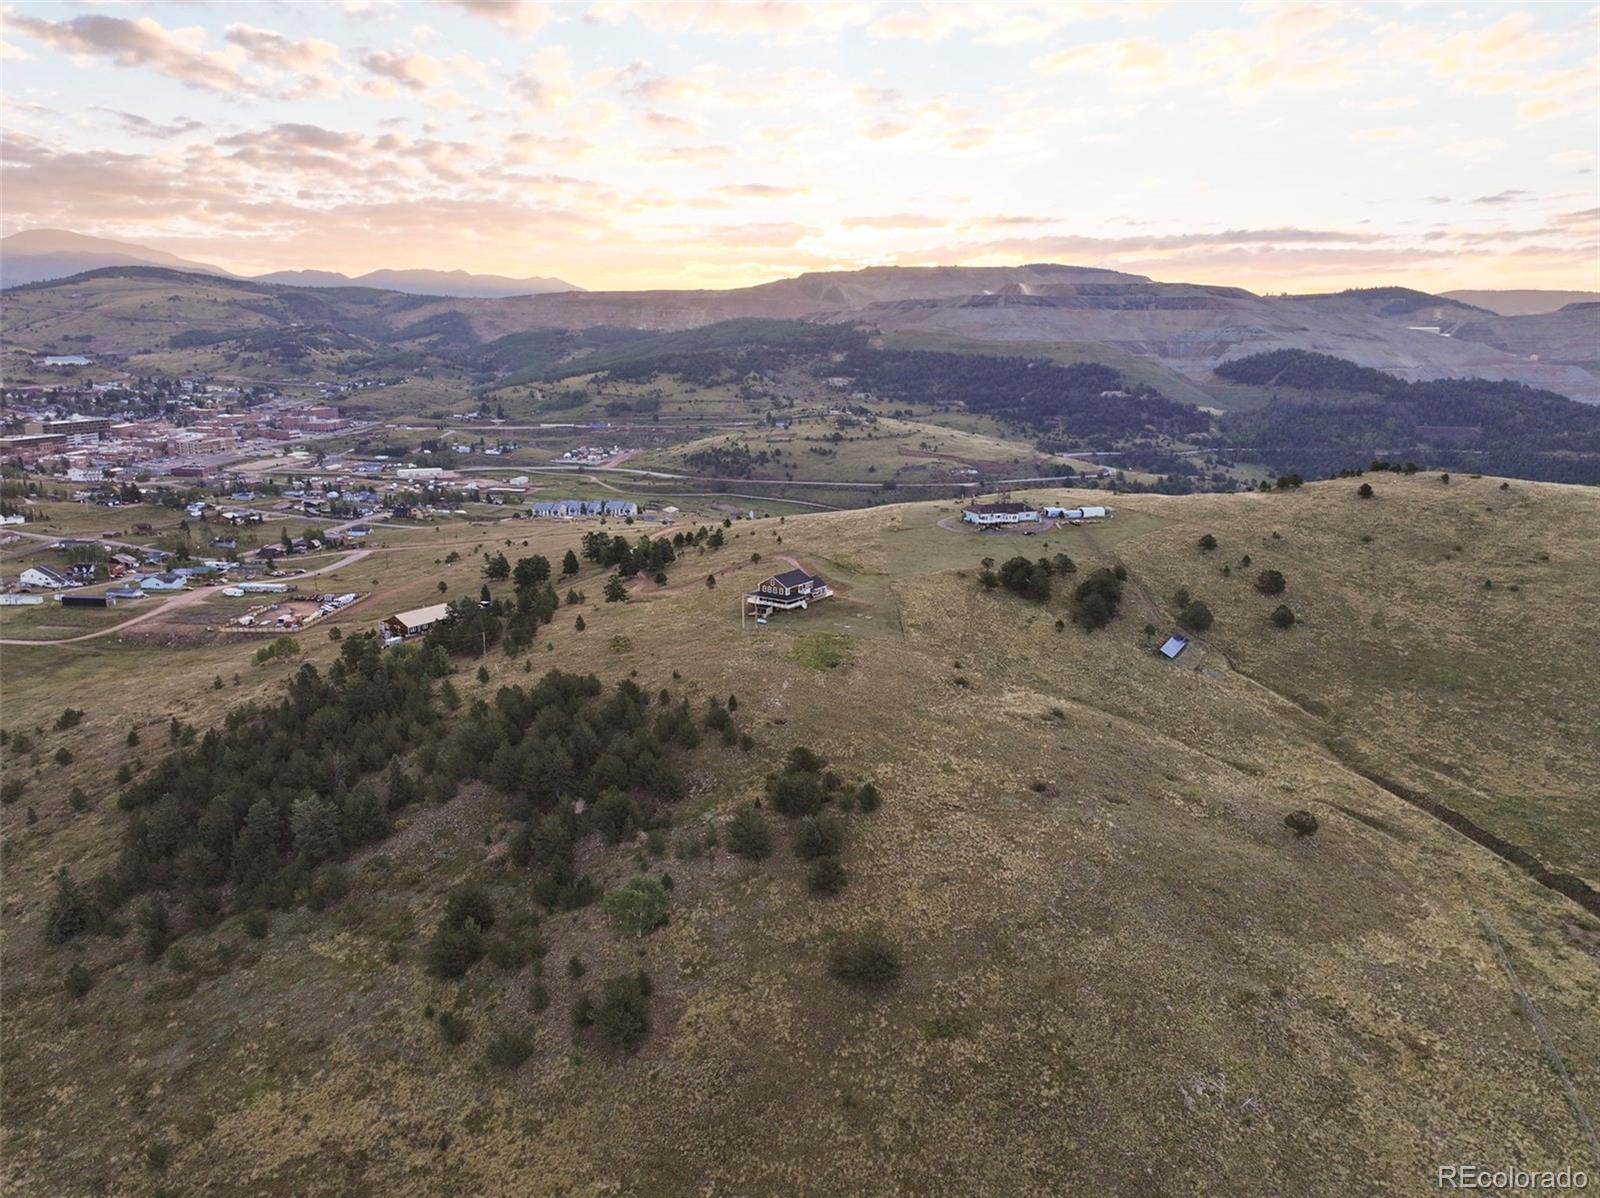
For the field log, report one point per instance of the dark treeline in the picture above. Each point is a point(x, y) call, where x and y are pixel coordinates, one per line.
point(1065, 401)
point(725, 353)
point(259, 812)
point(1481, 425)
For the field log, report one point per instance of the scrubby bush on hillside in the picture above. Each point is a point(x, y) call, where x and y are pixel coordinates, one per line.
point(71, 913)
point(1208, 542)
point(867, 959)
point(1097, 598)
point(508, 1050)
point(623, 1013)
point(818, 836)
point(1283, 616)
point(1031, 580)
point(827, 876)
point(454, 950)
point(748, 834)
point(639, 907)
point(1301, 823)
point(1270, 582)
point(78, 980)
point(471, 901)
point(1196, 617)
point(1365, 491)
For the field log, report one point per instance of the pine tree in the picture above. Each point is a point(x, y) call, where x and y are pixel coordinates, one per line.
point(255, 852)
point(569, 564)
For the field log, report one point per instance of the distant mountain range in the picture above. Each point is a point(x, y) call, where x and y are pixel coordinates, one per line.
point(1186, 330)
point(38, 255)
point(457, 283)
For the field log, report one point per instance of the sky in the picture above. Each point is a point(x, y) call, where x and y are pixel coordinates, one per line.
point(1274, 146)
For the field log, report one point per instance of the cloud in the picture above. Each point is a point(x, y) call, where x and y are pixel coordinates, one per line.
point(415, 72)
point(1394, 133)
point(730, 18)
point(139, 126)
point(690, 153)
point(518, 16)
point(1511, 195)
point(1129, 63)
point(665, 122)
point(772, 234)
point(547, 80)
point(1000, 24)
point(178, 54)
point(895, 220)
point(269, 49)
point(761, 191)
point(1473, 149)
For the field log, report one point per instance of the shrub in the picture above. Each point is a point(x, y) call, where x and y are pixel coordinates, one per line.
point(508, 1050)
point(78, 981)
point(796, 792)
point(63, 756)
point(827, 876)
point(255, 923)
point(623, 1015)
point(1301, 823)
point(454, 949)
point(11, 790)
point(453, 1027)
point(1098, 597)
point(1270, 582)
point(867, 959)
point(540, 996)
point(70, 913)
point(469, 901)
point(1196, 617)
point(157, 1155)
point(1283, 616)
point(616, 815)
point(640, 907)
point(1364, 491)
point(1031, 580)
point(1208, 542)
point(748, 833)
point(70, 717)
point(1180, 598)
point(868, 798)
point(818, 836)
point(583, 1011)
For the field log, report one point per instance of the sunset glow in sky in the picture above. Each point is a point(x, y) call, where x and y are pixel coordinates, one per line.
point(1280, 147)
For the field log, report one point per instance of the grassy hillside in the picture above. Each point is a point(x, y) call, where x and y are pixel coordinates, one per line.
point(1120, 970)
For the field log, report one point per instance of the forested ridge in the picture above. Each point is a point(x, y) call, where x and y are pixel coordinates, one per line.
point(1335, 414)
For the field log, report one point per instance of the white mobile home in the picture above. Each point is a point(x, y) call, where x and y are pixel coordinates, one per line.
point(985, 515)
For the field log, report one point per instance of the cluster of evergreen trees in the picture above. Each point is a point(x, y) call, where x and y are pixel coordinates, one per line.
point(1064, 401)
point(1485, 425)
point(255, 813)
point(258, 804)
point(647, 555)
point(1031, 580)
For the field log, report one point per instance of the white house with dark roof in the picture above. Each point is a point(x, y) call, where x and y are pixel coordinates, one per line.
point(986, 515)
point(45, 578)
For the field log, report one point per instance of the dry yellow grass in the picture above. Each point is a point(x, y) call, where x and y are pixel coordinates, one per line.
point(1124, 976)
